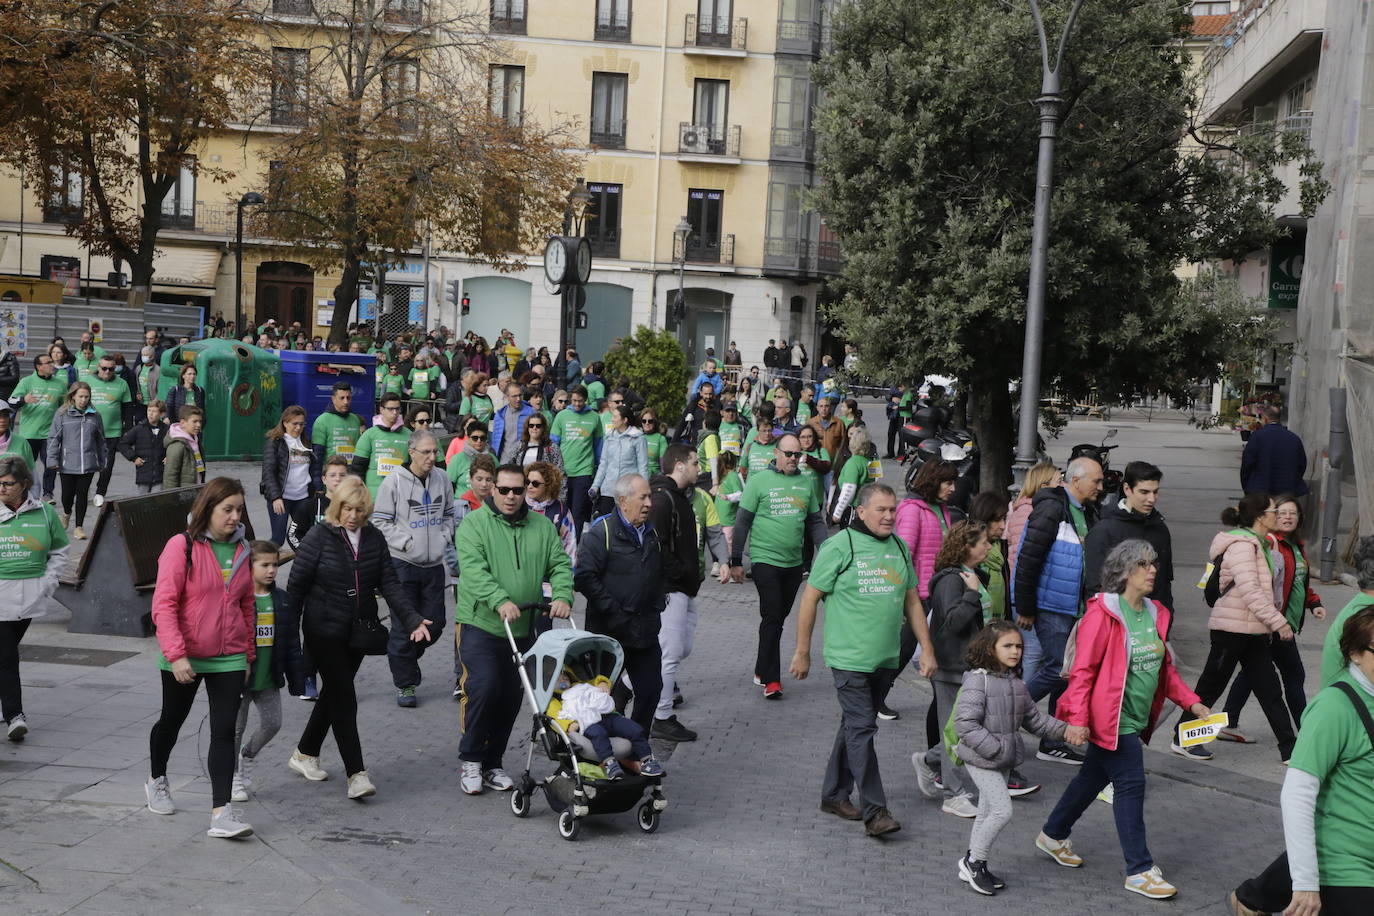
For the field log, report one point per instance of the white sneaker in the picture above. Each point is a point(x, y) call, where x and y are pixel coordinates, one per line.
point(925, 776)
point(18, 728)
point(960, 806)
point(159, 796)
point(360, 786)
point(226, 824)
point(237, 790)
point(1151, 884)
point(471, 781)
point(97, 500)
point(497, 779)
point(309, 767)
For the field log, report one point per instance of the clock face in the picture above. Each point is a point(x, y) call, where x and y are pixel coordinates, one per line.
point(584, 260)
point(556, 260)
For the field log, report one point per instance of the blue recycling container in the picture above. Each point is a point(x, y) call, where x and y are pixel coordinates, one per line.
point(308, 378)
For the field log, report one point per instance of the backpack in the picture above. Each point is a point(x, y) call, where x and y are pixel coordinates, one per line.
point(1211, 589)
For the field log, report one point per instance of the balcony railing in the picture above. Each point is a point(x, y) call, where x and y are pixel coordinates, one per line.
point(613, 28)
point(610, 136)
point(708, 140)
point(803, 255)
point(406, 11)
point(718, 33)
point(508, 17)
point(793, 143)
point(293, 7)
point(707, 250)
point(1298, 123)
point(799, 36)
point(606, 245)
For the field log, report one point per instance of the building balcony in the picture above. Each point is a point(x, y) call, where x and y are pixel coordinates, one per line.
point(720, 36)
point(609, 136)
point(706, 250)
point(800, 36)
point(793, 144)
point(1261, 40)
point(802, 257)
point(293, 7)
point(708, 143)
point(612, 28)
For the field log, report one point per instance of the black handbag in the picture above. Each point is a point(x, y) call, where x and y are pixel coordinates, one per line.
point(368, 636)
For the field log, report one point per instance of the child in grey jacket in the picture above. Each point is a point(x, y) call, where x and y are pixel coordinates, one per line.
point(993, 706)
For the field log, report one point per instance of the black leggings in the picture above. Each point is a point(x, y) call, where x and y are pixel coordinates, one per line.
point(1272, 890)
point(102, 482)
point(337, 707)
point(223, 690)
point(75, 489)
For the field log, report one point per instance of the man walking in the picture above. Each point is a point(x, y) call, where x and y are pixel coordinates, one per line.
point(509, 425)
point(336, 431)
point(416, 513)
point(619, 569)
point(505, 555)
point(1274, 460)
point(37, 397)
point(109, 394)
point(1048, 593)
point(830, 429)
point(778, 508)
point(866, 580)
point(1135, 517)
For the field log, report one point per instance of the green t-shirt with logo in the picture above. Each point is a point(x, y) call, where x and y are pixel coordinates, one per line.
point(86, 368)
point(146, 387)
point(1333, 746)
point(654, 444)
point(1146, 652)
point(780, 503)
point(27, 539)
point(731, 437)
point(479, 407)
point(855, 471)
point(108, 398)
point(1296, 608)
point(865, 581)
point(266, 632)
point(810, 474)
point(423, 382)
point(35, 420)
point(757, 457)
point(577, 434)
point(19, 446)
point(393, 383)
point(339, 435)
point(384, 450)
point(708, 450)
point(1333, 665)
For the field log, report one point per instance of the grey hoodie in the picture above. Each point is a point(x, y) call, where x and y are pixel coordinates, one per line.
point(417, 517)
point(76, 442)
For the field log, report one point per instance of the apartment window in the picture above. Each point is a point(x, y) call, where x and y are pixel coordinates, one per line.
point(66, 195)
point(508, 94)
point(603, 219)
point(612, 20)
point(784, 231)
point(608, 109)
point(179, 206)
point(404, 10)
point(292, 7)
point(1212, 8)
point(711, 112)
point(290, 85)
point(713, 22)
point(400, 86)
point(704, 214)
point(508, 16)
point(792, 107)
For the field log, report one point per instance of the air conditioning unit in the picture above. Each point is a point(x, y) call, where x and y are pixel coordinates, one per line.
point(695, 139)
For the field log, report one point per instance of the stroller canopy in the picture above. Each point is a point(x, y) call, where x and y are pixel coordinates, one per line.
point(587, 654)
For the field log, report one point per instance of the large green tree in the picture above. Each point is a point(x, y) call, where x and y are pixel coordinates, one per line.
point(928, 153)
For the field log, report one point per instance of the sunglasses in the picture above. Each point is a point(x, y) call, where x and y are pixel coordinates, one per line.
point(790, 454)
point(506, 491)
point(421, 421)
point(536, 483)
point(534, 425)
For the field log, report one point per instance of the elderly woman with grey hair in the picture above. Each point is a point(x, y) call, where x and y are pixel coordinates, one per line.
point(1120, 673)
point(33, 550)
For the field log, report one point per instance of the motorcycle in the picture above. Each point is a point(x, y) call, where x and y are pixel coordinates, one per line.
point(1112, 480)
point(926, 436)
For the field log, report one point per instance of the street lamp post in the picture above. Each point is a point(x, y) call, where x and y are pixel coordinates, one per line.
point(681, 232)
point(251, 199)
point(573, 218)
point(1050, 104)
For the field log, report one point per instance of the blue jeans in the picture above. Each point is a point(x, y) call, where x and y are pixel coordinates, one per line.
point(1030, 654)
point(1124, 768)
point(425, 586)
point(1053, 632)
point(1288, 660)
point(613, 726)
point(279, 522)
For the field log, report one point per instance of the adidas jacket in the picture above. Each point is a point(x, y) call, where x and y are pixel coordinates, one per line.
point(417, 517)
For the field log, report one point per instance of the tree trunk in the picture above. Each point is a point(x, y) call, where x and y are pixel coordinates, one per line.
point(345, 297)
point(989, 408)
point(140, 278)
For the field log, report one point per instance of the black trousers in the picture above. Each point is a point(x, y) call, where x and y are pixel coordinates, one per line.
point(904, 657)
point(76, 488)
point(492, 694)
point(102, 483)
point(224, 691)
point(893, 425)
point(1251, 652)
point(644, 668)
point(777, 587)
point(337, 707)
point(1272, 890)
point(11, 692)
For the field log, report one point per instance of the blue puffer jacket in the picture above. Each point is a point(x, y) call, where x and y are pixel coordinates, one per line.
point(1049, 560)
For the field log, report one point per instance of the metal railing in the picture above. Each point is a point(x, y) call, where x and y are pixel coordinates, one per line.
point(708, 139)
point(612, 136)
point(716, 32)
point(701, 250)
point(803, 255)
point(789, 141)
point(1241, 20)
point(612, 28)
point(1300, 122)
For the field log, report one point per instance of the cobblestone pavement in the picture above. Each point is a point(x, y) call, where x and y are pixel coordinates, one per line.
point(742, 833)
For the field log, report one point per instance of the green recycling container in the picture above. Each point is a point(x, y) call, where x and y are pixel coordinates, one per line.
point(242, 392)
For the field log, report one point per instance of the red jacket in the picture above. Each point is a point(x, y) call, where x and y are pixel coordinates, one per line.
point(1097, 680)
point(197, 615)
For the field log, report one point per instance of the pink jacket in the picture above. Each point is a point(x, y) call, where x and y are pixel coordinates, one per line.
point(1248, 607)
point(1016, 525)
point(918, 526)
point(1097, 680)
point(196, 615)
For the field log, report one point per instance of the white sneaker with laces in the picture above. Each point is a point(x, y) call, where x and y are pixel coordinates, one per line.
point(497, 779)
point(960, 806)
point(238, 792)
point(360, 786)
point(159, 796)
point(471, 781)
point(1151, 884)
point(309, 767)
point(227, 825)
point(925, 776)
point(18, 727)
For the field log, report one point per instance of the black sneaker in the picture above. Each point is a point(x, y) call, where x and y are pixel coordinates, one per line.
point(886, 712)
point(976, 874)
point(1018, 785)
point(1059, 753)
point(670, 729)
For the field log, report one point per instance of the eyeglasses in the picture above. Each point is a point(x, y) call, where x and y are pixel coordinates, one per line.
point(506, 491)
point(7, 484)
point(649, 421)
point(421, 421)
point(617, 403)
point(477, 438)
point(425, 451)
point(790, 454)
point(46, 362)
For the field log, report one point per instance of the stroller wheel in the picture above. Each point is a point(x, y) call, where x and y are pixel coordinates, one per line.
point(648, 817)
point(568, 825)
point(519, 803)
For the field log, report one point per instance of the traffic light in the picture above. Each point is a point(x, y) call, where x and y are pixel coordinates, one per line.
point(581, 322)
point(453, 290)
point(467, 306)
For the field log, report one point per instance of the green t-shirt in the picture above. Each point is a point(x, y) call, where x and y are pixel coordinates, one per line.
point(108, 398)
point(26, 540)
point(393, 383)
point(1142, 673)
point(423, 382)
point(596, 393)
point(35, 420)
point(262, 678)
point(654, 444)
point(577, 434)
point(724, 507)
point(147, 389)
point(810, 474)
point(855, 471)
point(865, 581)
point(757, 457)
point(384, 450)
point(708, 449)
point(1333, 665)
point(1296, 609)
point(1333, 746)
point(996, 568)
point(19, 446)
point(731, 437)
point(607, 422)
point(86, 368)
point(339, 435)
point(704, 508)
point(479, 406)
point(904, 405)
point(780, 503)
point(804, 412)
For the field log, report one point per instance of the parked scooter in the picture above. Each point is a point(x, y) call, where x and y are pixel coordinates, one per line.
point(1111, 479)
point(927, 435)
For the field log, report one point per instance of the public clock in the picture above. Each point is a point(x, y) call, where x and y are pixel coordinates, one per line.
point(584, 260)
point(557, 266)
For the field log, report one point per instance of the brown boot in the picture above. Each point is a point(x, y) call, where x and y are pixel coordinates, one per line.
point(881, 823)
point(841, 807)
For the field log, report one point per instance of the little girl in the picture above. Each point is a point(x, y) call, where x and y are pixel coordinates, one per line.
point(993, 706)
point(589, 707)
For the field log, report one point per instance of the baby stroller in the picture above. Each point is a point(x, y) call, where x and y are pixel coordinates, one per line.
point(567, 790)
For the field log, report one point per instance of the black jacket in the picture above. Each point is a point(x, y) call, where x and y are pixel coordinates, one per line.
point(622, 579)
point(333, 588)
point(303, 519)
point(176, 399)
point(288, 662)
point(276, 460)
point(10, 373)
point(676, 523)
point(956, 614)
point(1119, 524)
point(149, 443)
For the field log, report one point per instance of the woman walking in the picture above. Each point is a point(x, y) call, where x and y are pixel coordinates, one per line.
point(623, 452)
point(341, 566)
point(186, 394)
point(543, 480)
point(76, 447)
point(206, 622)
point(1120, 674)
point(35, 554)
point(537, 445)
point(289, 469)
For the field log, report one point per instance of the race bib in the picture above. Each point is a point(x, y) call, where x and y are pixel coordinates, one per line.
point(386, 465)
point(267, 626)
point(875, 469)
point(200, 463)
point(344, 450)
point(1202, 731)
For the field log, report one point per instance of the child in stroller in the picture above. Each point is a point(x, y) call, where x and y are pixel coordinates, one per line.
point(588, 707)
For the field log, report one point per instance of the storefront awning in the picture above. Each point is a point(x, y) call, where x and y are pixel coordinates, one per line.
point(186, 267)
